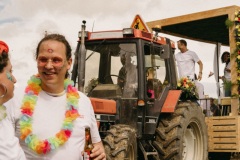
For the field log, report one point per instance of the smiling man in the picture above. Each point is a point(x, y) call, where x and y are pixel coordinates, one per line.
point(52, 115)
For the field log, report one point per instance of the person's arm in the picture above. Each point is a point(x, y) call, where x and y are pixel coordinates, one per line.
point(200, 70)
point(222, 78)
point(227, 70)
point(98, 152)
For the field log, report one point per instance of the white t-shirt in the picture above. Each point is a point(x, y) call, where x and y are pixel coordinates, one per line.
point(186, 63)
point(227, 75)
point(48, 117)
point(9, 144)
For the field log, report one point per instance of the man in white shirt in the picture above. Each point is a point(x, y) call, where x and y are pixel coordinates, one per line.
point(50, 115)
point(186, 60)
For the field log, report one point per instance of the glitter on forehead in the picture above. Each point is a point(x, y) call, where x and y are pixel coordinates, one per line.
point(50, 50)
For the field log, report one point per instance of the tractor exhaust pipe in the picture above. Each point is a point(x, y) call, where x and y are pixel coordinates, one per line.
point(81, 59)
point(79, 62)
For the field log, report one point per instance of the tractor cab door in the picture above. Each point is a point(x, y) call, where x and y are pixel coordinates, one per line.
point(155, 70)
point(156, 85)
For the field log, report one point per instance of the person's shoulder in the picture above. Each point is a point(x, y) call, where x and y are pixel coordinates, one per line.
point(83, 98)
point(178, 53)
point(82, 95)
point(191, 52)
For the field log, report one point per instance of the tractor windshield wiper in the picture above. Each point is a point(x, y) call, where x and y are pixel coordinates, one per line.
point(95, 48)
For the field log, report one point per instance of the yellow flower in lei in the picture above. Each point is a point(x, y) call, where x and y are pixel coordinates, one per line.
point(27, 109)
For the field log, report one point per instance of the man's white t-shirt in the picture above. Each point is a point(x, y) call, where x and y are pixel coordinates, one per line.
point(186, 63)
point(48, 117)
point(9, 144)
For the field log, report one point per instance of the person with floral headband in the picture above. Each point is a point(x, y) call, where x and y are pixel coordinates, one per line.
point(9, 144)
point(50, 114)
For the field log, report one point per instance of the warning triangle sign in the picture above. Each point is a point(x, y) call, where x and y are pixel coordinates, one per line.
point(138, 23)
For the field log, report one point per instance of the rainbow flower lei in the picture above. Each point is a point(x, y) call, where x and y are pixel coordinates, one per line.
point(29, 101)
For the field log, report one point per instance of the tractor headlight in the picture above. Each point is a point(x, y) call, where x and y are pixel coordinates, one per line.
point(127, 31)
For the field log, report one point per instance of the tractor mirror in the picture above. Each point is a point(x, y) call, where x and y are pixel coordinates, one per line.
point(164, 52)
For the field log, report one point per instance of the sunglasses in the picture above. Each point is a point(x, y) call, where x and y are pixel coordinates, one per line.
point(55, 61)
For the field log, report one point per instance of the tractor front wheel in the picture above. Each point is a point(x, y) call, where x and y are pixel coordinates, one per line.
point(183, 134)
point(121, 143)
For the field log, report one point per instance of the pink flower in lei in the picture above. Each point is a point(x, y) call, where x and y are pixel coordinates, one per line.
point(27, 109)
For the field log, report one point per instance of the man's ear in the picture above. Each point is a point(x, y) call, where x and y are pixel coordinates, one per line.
point(69, 63)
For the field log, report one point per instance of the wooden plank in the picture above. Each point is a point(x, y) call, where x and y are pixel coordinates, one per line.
point(222, 118)
point(222, 122)
point(224, 127)
point(222, 134)
point(193, 16)
point(216, 150)
point(223, 140)
point(223, 146)
point(226, 101)
point(223, 149)
point(226, 123)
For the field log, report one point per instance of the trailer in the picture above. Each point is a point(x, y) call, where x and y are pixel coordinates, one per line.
point(210, 27)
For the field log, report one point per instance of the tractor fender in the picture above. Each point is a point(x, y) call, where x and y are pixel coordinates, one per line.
point(171, 101)
point(104, 106)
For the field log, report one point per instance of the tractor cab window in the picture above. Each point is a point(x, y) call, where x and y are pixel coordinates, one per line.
point(127, 76)
point(155, 71)
point(113, 68)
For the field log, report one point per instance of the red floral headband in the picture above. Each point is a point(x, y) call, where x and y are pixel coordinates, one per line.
point(3, 47)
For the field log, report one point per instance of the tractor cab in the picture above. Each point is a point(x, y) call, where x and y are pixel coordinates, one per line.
point(127, 66)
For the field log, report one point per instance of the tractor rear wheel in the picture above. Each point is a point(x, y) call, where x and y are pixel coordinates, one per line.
point(121, 143)
point(183, 134)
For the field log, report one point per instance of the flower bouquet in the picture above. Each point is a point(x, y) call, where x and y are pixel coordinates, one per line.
point(189, 90)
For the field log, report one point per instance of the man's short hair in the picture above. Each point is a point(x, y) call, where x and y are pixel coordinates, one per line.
point(182, 41)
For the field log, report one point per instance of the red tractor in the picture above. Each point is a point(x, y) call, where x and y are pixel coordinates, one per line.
point(131, 79)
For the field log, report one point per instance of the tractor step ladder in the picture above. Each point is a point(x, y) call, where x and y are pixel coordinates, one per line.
point(147, 154)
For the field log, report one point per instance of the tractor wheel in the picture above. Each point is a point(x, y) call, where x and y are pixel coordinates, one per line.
point(183, 134)
point(121, 143)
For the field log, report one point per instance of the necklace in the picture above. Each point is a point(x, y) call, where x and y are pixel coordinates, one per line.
point(28, 104)
point(55, 94)
point(3, 113)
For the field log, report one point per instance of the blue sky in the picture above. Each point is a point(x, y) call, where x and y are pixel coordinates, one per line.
point(24, 22)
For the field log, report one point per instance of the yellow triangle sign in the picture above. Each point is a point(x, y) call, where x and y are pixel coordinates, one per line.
point(138, 23)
